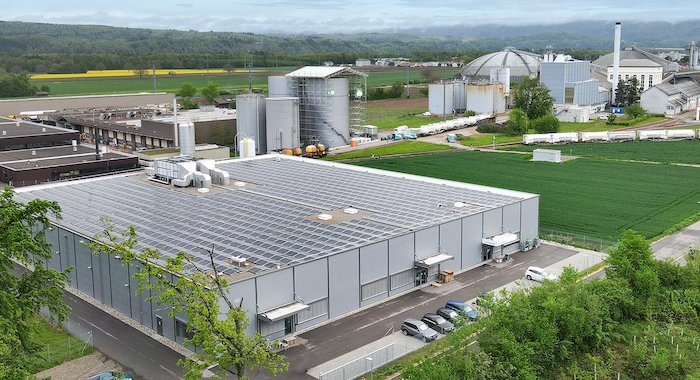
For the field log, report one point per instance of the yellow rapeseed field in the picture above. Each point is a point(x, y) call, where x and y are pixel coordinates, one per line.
point(133, 73)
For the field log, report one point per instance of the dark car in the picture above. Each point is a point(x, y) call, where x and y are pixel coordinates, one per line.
point(463, 308)
point(448, 314)
point(418, 329)
point(438, 323)
point(111, 375)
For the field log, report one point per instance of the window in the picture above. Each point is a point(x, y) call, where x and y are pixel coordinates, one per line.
point(627, 77)
point(651, 81)
point(181, 330)
point(611, 77)
point(569, 95)
point(316, 309)
point(401, 279)
point(374, 288)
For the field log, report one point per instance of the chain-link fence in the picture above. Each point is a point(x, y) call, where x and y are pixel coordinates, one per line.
point(577, 240)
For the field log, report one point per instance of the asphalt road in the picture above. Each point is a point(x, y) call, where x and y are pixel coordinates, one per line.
point(344, 335)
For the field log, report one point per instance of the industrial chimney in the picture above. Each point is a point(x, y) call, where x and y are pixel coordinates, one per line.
point(616, 60)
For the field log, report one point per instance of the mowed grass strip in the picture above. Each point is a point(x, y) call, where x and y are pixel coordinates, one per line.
point(57, 346)
point(587, 196)
point(685, 151)
point(402, 147)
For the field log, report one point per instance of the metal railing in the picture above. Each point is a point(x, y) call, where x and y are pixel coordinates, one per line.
point(363, 365)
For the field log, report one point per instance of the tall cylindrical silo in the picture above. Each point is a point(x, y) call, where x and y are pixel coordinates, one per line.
point(250, 120)
point(282, 116)
point(186, 137)
point(334, 129)
point(459, 96)
point(278, 87)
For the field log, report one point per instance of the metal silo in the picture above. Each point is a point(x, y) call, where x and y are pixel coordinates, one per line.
point(250, 120)
point(186, 135)
point(282, 116)
point(278, 86)
point(334, 127)
point(459, 96)
point(440, 100)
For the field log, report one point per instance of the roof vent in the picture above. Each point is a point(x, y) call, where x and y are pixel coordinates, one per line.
point(34, 153)
point(325, 216)
point(350, 210)
point(43, 129)
point(239, 184)
point(459, 204)
point(203, 190)
point(4, 133)
point(238, 260)
point(17, 124)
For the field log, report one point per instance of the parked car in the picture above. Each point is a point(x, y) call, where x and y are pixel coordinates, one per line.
point(539, 274)
point(448, 314)
point(604, 116)
point(438, 323)
point(111, 375)
point(418, 329)
point(463, 308)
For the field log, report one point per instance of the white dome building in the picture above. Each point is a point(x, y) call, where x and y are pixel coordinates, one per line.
point(521, 64)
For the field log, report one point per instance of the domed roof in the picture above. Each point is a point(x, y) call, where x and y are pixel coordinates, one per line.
point(521, 64)
point(633, 56)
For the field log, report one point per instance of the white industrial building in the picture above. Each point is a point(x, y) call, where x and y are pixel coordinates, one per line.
point(300, 241)
point(575, 94)
point(457, 96)
point(647, 68)
point(671, 98)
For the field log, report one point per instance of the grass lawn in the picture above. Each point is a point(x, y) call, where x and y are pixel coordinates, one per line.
point(390, 118)
point(588, 196)
point(401, 147)
point(57, 347)
point(686, 151)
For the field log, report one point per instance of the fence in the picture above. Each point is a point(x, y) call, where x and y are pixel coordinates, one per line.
point(365, 364)
point(577, 240)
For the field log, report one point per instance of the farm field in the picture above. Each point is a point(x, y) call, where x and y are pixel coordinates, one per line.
point(402, 147)
point(593, 197)
point(686, 151)
point(90, 83)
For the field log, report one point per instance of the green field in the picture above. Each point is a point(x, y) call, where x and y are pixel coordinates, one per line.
point(57, 346)
point(686, 152)
point(587, 196)
point(402, 147)
point(172, 84)
point(390, 118)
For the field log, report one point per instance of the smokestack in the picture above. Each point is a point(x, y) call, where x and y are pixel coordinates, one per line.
point(616, 60)
point(97, 143)
point(176, 132)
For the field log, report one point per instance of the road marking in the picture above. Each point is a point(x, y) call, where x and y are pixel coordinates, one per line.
point(169, 371)
point(98, 328)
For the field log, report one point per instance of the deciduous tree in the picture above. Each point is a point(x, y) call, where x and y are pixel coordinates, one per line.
point(533, 98)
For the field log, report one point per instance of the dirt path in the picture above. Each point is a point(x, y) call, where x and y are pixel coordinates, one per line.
point(81, 368)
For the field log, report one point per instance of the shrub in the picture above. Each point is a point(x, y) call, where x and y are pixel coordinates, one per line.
point(468, 113)
point(517, 123)
point(634, 110)
point(491, 128)
point(545, 124)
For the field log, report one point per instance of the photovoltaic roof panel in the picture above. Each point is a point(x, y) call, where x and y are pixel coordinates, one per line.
point(267, 222)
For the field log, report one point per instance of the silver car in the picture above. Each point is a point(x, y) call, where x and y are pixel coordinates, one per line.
point(418, 329)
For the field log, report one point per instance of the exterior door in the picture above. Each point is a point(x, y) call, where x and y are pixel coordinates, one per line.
point(159, 325)
point(288, 325)
point(421, 276)
point(486, 253)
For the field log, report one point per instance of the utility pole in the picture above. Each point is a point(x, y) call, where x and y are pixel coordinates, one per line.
point(250, 78)
point(154, 77)
point(408, 82)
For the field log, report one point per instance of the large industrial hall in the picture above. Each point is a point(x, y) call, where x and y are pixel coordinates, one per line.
point(301, 241)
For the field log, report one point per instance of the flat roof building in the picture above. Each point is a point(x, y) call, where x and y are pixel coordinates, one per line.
point(301, 241)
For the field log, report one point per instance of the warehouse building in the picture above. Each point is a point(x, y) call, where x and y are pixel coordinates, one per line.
point(34, 107)
point(576, 95)
point(301, 241)
point(647, 68)
point(671, 99)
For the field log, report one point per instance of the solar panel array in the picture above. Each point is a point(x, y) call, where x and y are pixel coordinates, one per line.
point(266, 222)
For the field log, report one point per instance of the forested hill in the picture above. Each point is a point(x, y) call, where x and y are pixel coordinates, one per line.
point(35, 38)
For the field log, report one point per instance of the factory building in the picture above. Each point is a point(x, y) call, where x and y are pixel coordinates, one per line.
point(647, 68)
point(457, 96)
point(575, 94)
point(32, 153)
point(522, 64)
point(300, 241)
point(671, 99)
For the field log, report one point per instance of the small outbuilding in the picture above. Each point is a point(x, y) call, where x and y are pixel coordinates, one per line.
point(546, 155)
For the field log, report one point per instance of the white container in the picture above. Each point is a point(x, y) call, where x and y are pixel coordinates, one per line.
point(246, 147)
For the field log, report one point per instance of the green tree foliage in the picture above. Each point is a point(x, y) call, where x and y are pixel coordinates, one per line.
point(187, 90)
point(611, 119)
point(518, 122)
point(216, 325)
point(210, 92)
point(22, 229)
point(393, 92)
point(627, 92)
point(634, 110)
point(15, 85)
point(533, 98)
point(545, 124)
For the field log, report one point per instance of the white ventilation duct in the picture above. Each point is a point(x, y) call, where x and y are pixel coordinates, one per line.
point(186, 130)
point(216, 176)
point(176, 132)
point(616, 60)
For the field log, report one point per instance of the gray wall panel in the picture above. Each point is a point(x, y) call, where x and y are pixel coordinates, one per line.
point(344, 272)
point(275, 289)
point(427, 242)
point(471, 240)
point(84, 268)
point(451, 244)
point(244, 290)
point(120, 293)
point(312, 322)
point(401, 255)
point(400, 290)
point(311, 280)
point(51, 236)
point(493, 222)
point(530, 219)
point(140, 307)
point(66, 241)
point(376, 299)
point(374, 262)
point(511, 218)
point(163, 312)
point(101, 272)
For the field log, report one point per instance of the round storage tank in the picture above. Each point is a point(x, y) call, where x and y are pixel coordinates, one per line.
point(278, 87)
point(250, 120)
point(186, 134)
point(459, 96)
point(282, 115)
point(336, 130)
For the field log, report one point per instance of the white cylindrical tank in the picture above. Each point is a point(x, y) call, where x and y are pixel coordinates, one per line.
point(247, 147)
point(282, 116)
point(440, 98)
point(334, 129)
point(186, 135)
point(250, 119)
point(278, 87)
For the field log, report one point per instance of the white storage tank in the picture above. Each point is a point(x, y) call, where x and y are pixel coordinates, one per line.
point(334, 128)
point(501, 75)
point(186, 135)
point(278, 87)
point(440, 99)
point(459, 96)
point(652, 135)
point(246, 147)
point(250, 119)
point(487, 98)
point(680, 134)
point(282, 116)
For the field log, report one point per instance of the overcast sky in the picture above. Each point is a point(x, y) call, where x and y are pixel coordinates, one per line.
point(330, 16)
